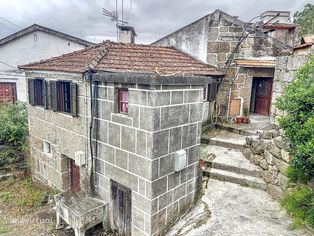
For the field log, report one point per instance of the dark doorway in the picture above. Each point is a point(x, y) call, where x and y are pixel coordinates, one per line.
point(121, 208)
point(74, 173)
point(261, 95)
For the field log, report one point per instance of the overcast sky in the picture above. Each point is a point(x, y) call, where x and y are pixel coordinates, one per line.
point(152, 19)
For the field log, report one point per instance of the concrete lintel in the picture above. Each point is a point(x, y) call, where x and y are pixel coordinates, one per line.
point(151, 79)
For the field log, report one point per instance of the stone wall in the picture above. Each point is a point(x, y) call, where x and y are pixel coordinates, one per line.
point(268, 150)
point(137, 150)
point(65, 133)
point(285, 73)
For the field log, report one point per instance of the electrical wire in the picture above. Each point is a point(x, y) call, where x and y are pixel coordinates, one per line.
point(14, 67)
point(11, 23)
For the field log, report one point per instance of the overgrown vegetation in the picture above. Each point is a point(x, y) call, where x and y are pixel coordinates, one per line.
point(23, 194)
point(13, 132)
point(298, 126)
point(305, 19)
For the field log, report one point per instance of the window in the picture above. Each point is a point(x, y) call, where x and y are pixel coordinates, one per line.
point(37, 92)
point(123, 100)
point(64, 96)
point(47, 147)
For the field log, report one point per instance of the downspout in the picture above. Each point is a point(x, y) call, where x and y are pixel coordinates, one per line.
point(92, 108)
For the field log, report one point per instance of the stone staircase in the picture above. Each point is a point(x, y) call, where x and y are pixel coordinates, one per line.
point(225, 160)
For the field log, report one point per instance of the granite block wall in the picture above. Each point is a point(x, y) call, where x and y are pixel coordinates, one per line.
point(137, 150)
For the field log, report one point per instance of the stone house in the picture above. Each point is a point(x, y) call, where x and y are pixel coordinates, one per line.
point(246, 52)
point(135, 143)
point(31, 44)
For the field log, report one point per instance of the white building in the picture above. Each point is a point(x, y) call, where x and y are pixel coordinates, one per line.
point(29, 45)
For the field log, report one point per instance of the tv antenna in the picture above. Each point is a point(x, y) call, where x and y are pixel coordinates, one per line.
point(114, 15)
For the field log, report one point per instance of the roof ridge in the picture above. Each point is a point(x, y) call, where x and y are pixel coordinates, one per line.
point(102, 53)
point(44, 29)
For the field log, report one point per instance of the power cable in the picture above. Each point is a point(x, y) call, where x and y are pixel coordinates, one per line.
point(10, 22)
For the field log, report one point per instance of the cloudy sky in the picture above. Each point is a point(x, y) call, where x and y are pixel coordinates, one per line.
point(152, 19)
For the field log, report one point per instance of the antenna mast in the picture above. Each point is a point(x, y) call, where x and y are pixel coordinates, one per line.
point(114, 15)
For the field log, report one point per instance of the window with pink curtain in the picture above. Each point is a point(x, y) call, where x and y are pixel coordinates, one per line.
point(123, 100)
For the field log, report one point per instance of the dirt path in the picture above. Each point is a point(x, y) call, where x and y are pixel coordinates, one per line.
point(236, 211)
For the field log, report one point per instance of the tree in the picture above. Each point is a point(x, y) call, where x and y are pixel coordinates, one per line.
point(305, 19)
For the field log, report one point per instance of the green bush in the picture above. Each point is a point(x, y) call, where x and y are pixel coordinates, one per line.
point(298, 124)
point(13, 132)
point(300, 203)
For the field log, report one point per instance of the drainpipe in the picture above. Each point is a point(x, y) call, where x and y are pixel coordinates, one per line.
point(92, 108)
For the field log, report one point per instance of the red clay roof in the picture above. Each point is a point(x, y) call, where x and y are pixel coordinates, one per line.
point(131, 58)
point(283, 26)
point(256, 63)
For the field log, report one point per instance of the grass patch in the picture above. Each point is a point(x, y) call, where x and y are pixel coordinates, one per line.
point(299, 202)
point(3, 228)
point(23, 193)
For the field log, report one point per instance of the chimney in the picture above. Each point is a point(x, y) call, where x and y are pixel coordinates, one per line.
point(283, 17)
point(126, 34)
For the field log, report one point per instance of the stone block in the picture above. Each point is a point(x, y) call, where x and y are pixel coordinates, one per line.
point(189, 133)
point(275, 191)
point(269, 157)
point(173, 180)
point(121, 176)
point(158, 221)
point(175, 139)
point(166, 165)
point(263, 163)
point(138, 97)
point(102, 132)
point(174, 116)
point(137, 232)
point(179, 192)
point(144, 204)
point(158, 187)
point(158, 99)
point(281, 165)
point(165, 199)
point(114, 134)
point(141, 143)
point(285, 155)
point(196, 112)
point(273, 149)
point(258, 146)
point(106, 109)
point(267, 176)
point(193, 96)
point(128, 137)
point(141, 186)
point(160, 143)
point(283, 181)
point(173, 212)
point(212, 59)
point(193, 154)
point(212, 47)
point(99, 166)
point(134, 113)
point(149, 118)
point(176, 97)
point(121, 159)
point(122, 119)
point(224, 47)
point(105, 153)
point(138, 218)
point(140, 166)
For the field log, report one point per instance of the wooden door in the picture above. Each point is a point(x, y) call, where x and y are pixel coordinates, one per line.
point(7, 93)
point(74, 176)
point(121, 204)
point(263, 95)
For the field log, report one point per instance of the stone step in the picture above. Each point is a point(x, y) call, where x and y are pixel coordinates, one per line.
point(237, 129)
point(230, 160)
point(244, 180)
point(223, 138)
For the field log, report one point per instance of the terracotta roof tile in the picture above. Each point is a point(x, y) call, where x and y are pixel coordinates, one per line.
point(258, 63)
point(132, 58)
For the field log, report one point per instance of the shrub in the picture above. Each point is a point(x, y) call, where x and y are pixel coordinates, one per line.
point(298, 124)
point(300, 203)
point(13, 124)
point(13, 132)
